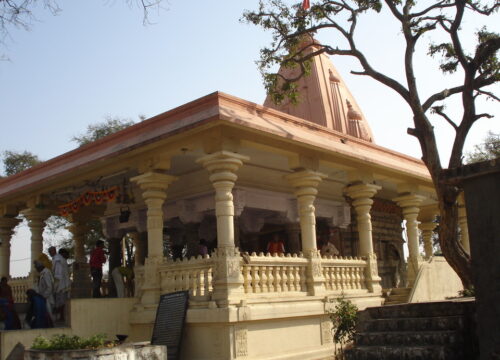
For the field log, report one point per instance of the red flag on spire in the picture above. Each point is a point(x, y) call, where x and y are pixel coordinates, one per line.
point(306, 5)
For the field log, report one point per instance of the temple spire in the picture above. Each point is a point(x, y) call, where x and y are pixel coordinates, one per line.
point(324, 99)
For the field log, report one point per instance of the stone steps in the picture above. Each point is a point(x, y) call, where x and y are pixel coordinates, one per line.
point(430, 309)
point(423, 331)
point(403, 353)
point(397, 296)
point(448, 337)
point(440, 323)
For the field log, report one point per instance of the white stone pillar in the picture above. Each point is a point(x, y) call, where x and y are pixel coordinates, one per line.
point(222, 167)
point(427, 229)
point(154, 186)
point(78, 230)
point(36, 222)
point(305, 183)
point(410, 204)
point(362, 195)
point(228, 281)
point(81, 286)
point(7, 226)
point(462, 222)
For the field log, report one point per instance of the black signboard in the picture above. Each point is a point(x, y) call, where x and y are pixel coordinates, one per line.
point(169, 323)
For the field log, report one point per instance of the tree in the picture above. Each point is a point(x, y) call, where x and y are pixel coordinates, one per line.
point(487, 150)
point(15, 162)
point(99, 130)
point(293, 47)
point(19, 13)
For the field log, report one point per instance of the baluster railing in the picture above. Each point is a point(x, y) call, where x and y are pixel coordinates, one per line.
point(344, 273)
point(275, 274)
point(193, 275)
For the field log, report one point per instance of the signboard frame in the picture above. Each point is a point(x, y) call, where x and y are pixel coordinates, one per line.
point(172, 305)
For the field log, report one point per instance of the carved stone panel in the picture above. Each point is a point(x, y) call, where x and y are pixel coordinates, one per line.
point(326, 331)
point(240, 341)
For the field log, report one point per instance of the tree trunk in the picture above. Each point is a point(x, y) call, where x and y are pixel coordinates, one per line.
point(452, 250)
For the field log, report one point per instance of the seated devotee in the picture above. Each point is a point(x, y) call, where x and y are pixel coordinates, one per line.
point(7, 310)
point(37, 316)
point(329, 249)
point(203, 247)
point(276, 245)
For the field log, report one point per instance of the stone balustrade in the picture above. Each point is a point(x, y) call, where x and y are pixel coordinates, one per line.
point(194, 274)
point(274, 274)
point(19, 286)
point(344, 273)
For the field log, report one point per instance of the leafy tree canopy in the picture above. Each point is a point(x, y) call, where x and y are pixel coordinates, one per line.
point(99, 130)
point(20, 13)
point(487, 150)
point(15, 162)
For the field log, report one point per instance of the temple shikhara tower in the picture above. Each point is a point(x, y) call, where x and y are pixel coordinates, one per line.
point(296, 204)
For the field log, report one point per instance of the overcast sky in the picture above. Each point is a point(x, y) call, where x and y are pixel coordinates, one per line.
point(96, 58)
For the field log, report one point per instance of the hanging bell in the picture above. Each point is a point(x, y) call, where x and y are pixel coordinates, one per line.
point(124, 214)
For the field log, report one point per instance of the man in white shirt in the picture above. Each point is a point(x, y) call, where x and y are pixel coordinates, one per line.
point(62, 284)
point(46, 287)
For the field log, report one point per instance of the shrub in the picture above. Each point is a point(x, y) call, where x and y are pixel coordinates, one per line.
point(69, 342)
point(467, 292)
point(344, 318)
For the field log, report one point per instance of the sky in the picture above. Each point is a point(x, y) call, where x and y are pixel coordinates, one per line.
point(97, 59)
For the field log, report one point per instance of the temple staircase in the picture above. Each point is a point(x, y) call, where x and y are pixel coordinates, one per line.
point(397, 296)
point(422, 331)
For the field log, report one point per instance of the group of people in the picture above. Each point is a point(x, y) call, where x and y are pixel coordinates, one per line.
point(47, 301)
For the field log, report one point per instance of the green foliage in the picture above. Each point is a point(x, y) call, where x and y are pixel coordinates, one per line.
point(69, 342)
point(487, 150)
point(15, 162)
point(344, 318)
point(99, 130)
point(467, 292)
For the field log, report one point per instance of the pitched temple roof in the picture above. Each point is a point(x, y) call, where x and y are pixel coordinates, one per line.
point(327, 122)
point(324, 99)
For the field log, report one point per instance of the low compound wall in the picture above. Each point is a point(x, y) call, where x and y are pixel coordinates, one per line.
point(136, 351)
point(436, 280)
point(86, 316)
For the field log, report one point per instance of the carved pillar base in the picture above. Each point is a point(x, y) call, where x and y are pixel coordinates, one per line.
point(372, 279)
point(228, 280)
point(315, 279)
